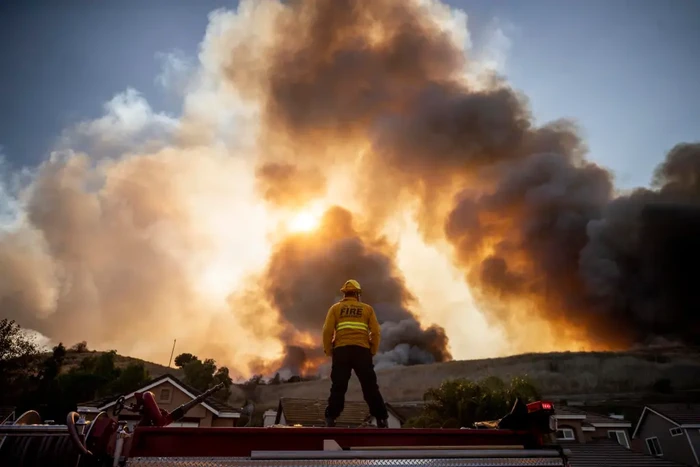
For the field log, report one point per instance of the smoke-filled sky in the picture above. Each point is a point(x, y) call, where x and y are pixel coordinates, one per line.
point(177, 171)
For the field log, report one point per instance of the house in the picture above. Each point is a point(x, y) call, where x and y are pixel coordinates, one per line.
point(671, 431)
point(606, 452)
point(170, 393)
point(311, 412)
point(269, 417)
point(578, 426)
point(406, 410)
point(7, 415)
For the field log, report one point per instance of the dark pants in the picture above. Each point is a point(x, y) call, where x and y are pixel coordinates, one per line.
point(346, 359)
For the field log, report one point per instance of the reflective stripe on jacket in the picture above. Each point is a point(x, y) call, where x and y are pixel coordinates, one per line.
point(351, 322)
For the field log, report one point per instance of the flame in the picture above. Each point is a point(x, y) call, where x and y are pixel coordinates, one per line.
point(304, 222)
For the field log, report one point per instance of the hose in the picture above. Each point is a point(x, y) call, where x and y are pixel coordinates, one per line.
point(73, 433)
point(39, 451)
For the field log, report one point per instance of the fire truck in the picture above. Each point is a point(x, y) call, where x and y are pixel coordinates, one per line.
point(520, 438)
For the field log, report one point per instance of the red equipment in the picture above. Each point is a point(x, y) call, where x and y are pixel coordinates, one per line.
point(517, 439)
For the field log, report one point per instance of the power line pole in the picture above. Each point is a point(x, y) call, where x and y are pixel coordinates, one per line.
point(172, 353)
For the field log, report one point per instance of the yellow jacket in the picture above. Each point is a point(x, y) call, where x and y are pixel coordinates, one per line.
point(353, 323)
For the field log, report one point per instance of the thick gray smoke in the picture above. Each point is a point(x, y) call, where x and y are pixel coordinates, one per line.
point(537, 229)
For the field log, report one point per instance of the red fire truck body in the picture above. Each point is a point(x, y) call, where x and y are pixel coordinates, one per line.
point(518, 439)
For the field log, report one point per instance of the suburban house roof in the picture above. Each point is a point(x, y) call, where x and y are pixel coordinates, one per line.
point(5, 413)
point(404, 411)
point(217, 407)
point(608, 453)
point(310, 412)
point(681, 415)
point(589, 418)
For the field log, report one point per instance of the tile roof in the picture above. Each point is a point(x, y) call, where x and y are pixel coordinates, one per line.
point(608, 453)
point(591, 418)
point(683, 414)
point(211, 401)
point(311, 412)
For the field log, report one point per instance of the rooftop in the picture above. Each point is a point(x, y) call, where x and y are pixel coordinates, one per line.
point(682, 414)
point(406, 410)
point(311, 412)
point(211, 401)
point(608, 453)
point(591, 418)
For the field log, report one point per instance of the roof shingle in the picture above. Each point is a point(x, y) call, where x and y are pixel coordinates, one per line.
point(683, 414)
point(608, 453)
point(311, 412)
point(592, 418)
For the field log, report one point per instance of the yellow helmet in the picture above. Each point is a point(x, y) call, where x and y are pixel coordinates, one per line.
point(351, 286)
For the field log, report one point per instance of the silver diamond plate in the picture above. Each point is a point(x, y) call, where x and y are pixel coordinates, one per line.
point(244, 462)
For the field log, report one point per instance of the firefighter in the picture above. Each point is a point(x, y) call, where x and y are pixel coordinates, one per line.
point(351, 337)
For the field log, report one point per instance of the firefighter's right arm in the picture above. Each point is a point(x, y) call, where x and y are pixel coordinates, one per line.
point(376, 332)
point(328, 329)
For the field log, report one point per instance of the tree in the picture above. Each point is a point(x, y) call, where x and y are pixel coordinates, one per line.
point(200, 374)
point(222, 376)
point(18, 360)
point(276, 380)
point(14, 343)
point(460, 402)
point(131, 378)
point(184, 358)
point(250, 387)
point(80, 347)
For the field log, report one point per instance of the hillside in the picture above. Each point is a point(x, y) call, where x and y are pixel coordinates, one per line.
point(556, 374)
point(570, 375)
point(73, 359)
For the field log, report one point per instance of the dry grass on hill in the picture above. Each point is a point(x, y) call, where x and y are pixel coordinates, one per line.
point(564, 373)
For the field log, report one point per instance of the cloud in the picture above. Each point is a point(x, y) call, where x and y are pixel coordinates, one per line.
point(128, 124)
point(176, 73)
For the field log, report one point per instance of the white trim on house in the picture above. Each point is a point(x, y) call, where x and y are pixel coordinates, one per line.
point(565, 431)
point(587, 428)
point(569, 417)
point(691, 425)
point(158, 383)
point(612, 425)
point(641, 419)
point(652, 438)
point(617, 437)
point(692, 448)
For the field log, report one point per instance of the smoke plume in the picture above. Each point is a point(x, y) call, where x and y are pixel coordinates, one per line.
point(536, 228)
point(316, 137)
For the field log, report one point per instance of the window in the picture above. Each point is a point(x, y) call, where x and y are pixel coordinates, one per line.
point(165, 395)
point(676, 431)
point(654, 447)
point(620, 436)
point(566, 434)
point(183, 424)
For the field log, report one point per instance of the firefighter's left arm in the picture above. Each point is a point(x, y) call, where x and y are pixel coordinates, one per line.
point(328, 329)
point(375, 330)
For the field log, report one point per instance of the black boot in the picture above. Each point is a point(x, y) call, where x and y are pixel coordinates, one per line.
point(382, 423)
point(330, 422)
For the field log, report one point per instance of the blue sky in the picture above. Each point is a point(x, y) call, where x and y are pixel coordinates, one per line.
point(627, 70)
